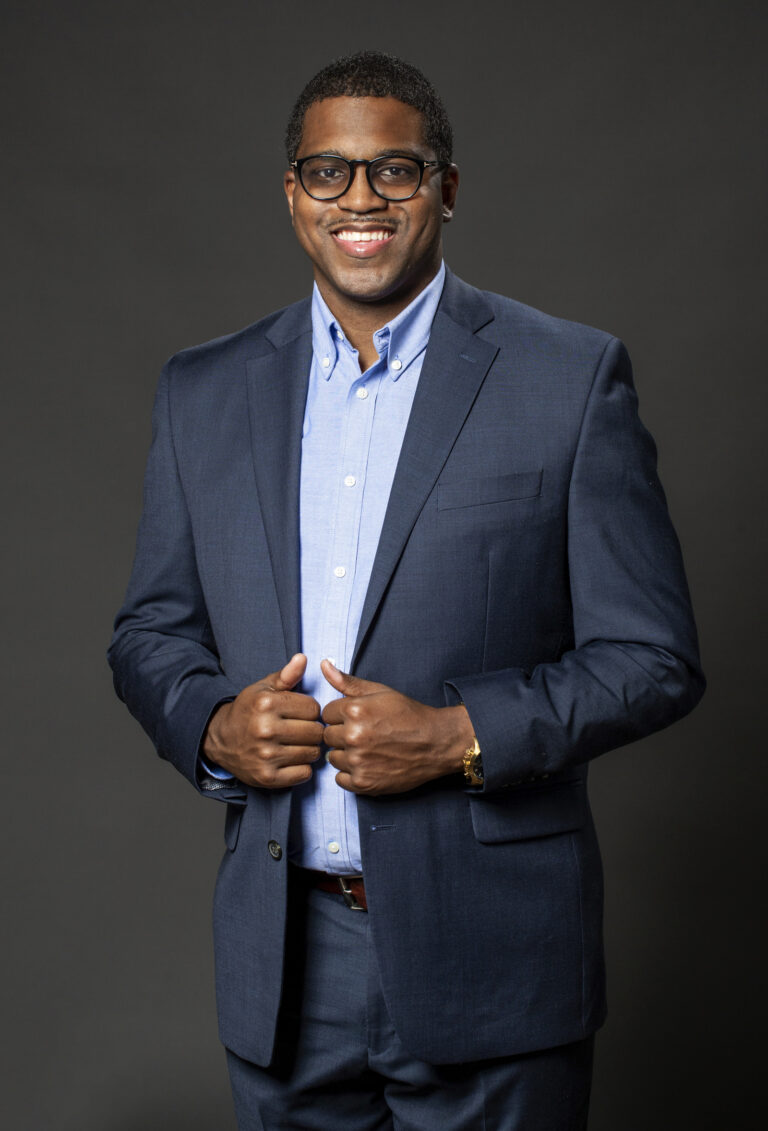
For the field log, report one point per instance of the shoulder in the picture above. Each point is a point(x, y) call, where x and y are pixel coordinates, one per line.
point(231, 351)
point(512, 324)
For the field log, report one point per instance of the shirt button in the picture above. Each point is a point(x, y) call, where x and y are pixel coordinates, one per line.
point(275, 851)
point(349, 481)
point(339, 571)
point(334, 846)
point(339, 335)
point(397, 364)
point(326, 362)
point(362, 393)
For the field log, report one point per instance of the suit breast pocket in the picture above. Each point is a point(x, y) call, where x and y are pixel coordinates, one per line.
point(489, 489)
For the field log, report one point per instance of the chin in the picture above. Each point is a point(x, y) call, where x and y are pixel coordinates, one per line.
point(357, 286)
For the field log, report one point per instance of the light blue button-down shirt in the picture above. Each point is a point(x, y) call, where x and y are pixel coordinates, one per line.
point(354, 424)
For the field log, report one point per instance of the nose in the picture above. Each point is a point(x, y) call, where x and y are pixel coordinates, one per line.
point(360, 197)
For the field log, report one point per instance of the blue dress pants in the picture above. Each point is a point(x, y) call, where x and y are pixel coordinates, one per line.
point(339, 1064)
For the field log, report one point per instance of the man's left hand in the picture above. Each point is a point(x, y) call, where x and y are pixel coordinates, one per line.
point(385, 742)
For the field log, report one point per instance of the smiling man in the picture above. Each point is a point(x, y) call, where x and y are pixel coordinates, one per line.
point(432, 516)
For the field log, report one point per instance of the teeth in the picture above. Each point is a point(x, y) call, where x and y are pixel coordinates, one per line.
point(361, 237)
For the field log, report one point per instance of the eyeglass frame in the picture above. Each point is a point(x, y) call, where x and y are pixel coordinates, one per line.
point(352, 166)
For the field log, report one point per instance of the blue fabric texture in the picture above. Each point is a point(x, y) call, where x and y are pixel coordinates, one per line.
point(340, 1063)
point(526, 564)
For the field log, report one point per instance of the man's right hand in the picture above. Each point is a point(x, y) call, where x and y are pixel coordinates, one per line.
point(269, 734)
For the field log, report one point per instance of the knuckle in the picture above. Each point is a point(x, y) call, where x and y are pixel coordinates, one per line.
point(360, 781)
point(355, 710)
point(267, 776)
point(264, 701)
point(263, 727)
point(355, 734)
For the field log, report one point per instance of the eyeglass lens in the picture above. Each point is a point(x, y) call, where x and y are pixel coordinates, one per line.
point(394, 178)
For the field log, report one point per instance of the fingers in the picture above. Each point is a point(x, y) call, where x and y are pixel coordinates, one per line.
point(296, 705)
point(296, 755)
point(279, 766)
point(345, 711)
point(265, 700)
point(334, 737)
point(345, 781)
point(338, 680)
point(295, 775)
point(282, 778)
point(290, 674)
point(348, 684)
point(270, 729)
point(333, 712)
point(361, 783)
point(296, 732)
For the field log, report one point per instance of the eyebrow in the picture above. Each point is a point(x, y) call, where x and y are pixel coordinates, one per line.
point(400, 151)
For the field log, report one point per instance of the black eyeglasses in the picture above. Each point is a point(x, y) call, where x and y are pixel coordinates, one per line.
point(325, 176)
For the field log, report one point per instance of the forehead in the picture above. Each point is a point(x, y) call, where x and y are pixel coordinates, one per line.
point(362, 127)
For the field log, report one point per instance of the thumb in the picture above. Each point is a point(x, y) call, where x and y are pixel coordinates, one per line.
point(289, 675)
point(348, 684)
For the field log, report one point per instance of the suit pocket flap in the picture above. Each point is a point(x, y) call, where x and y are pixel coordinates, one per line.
point(489, 489)
point(530, 811)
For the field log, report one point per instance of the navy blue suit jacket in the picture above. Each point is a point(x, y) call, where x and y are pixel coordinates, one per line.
point(527, 566)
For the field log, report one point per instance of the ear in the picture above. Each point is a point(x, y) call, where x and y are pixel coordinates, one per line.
point(450, 186)
point(289, 184)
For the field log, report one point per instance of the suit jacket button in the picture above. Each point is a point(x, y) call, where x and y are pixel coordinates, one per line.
point(275, 851)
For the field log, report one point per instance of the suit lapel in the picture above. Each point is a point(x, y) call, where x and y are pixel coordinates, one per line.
point(455, 366)
point(277, 391)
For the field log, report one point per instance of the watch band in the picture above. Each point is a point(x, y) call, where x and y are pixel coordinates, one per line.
point(473, 764)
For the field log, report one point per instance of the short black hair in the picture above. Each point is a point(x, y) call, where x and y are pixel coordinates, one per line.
point(374, 74)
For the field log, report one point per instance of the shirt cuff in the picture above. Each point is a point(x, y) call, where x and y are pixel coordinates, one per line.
point(214, 771)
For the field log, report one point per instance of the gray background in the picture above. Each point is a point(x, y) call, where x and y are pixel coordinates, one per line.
point(613, 172)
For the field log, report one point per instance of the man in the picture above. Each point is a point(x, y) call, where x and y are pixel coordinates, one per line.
point(450, 496)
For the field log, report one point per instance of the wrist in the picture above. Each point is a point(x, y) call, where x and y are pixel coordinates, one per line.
point(461, 736)
point(212, 747)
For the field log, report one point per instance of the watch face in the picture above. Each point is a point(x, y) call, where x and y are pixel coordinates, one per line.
point(473, 769)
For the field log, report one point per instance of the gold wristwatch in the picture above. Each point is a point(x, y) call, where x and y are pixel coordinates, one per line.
point(473, 764)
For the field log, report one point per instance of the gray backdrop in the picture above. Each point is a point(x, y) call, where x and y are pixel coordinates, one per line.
point(612, 166)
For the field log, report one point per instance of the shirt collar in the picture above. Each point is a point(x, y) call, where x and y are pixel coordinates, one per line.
point(401, 340)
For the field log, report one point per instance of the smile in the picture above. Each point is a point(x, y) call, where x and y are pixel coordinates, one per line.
point(349, 235)
point(363, 243)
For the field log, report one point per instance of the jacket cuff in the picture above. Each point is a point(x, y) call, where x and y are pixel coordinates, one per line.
point(507, 751)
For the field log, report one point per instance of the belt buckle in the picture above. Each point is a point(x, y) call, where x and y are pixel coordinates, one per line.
point(346, 891)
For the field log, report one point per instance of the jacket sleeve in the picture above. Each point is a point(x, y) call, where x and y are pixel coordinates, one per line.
point(634, 667)
point(163, 654)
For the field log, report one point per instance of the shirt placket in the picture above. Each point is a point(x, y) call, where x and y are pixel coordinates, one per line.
point(359, 412)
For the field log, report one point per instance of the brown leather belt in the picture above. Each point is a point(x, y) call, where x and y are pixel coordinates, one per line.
point(351, 887)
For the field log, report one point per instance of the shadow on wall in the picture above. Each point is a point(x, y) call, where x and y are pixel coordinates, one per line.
point(175, 1113)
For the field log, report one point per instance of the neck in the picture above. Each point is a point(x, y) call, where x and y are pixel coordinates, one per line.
point(361, 320)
